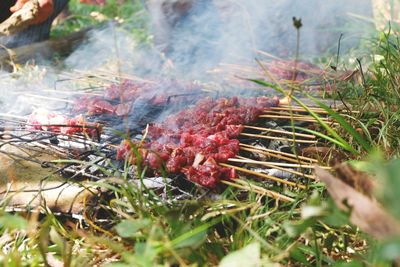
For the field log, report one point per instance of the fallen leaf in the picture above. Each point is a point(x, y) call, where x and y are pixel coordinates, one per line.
point(366, 212)
point(356, 179)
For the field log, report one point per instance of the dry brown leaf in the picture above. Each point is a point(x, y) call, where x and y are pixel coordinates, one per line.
point(366, 212)
point(324, 154)
point(360, 181)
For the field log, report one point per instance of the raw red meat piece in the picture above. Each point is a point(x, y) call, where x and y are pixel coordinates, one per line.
point(284, 69)
point(42, 119)
point(113, 92)
point(80, 125)
point(233, 131)
point(93, 105)
point(126, 90)
point(99, 106)
point(81, 104)
point(208, 174)
point(175, 164)
point(130, 91)
point(154, 160)
point(123, 150)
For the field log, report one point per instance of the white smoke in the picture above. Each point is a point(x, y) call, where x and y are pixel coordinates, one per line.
point(212, 32)
point(229, 31)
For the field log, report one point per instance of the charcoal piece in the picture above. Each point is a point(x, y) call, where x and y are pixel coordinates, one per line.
point(54, 140)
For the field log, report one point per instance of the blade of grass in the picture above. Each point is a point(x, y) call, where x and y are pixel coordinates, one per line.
point(324, 136)
point(346, 126)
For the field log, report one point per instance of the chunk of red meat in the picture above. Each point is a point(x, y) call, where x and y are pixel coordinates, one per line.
point(154, 160)
point(113, 92)
point(159, 99)
point(206, 131)
point(130, 94)
point(81, 104)
point(123, 150)
point(176, 163)
point(233, 131)
point(99, 106)
point(208, 174)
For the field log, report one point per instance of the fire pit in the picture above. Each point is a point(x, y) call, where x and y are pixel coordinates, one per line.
point(185, 139)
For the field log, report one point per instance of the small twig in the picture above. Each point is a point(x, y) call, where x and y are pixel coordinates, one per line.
point(338, 53)
point(362, 73)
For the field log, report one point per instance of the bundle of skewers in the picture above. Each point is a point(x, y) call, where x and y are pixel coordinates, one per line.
point(288, 73)
point(176, 130)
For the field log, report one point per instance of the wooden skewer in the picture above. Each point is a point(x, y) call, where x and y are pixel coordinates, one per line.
point(102, 77)
point(299, 109)
point(262, 175)
point(293, 160)
point(71, 93)
point(247, 183)
point(284, 112)
point(297, 118)
point(278, 154)
point(277, 167)
point(86, 77)
point(124, 76)
point(239, 67)
point(23, 119)
point(268, 54)
point(280, 131)
point(279, 164)
point(280, 138)
point(50, 98)
point(56, 150)
point(311, 120)
point(259, 190)
point(314, 109)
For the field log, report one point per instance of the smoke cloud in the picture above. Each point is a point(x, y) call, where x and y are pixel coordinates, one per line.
point(201, 34)
point(192, 37)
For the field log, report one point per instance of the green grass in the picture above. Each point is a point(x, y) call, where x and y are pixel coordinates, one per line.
point(130, 14)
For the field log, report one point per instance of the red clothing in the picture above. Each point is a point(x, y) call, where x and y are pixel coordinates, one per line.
point(34, 33)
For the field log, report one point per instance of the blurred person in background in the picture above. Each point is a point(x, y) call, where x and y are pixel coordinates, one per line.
point(195, 27)
point(39, 30)
point(187, 31)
